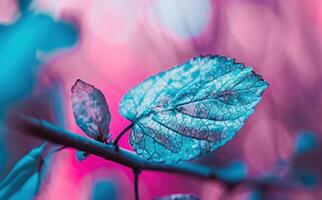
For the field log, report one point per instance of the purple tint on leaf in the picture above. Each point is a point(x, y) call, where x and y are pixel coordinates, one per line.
point(178, 197)
point(91, 110)
point(191, 109)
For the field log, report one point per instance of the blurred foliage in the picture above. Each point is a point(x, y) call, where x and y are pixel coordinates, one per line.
point(25, 179)
point(306, 165)
point(21, 43)
point(105, 189)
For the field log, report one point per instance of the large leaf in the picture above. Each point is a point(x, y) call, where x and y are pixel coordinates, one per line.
point(25, 178)
point(192, 108)
point(91, 111)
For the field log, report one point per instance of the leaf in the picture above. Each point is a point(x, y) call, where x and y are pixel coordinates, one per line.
point(91, 111)
point(179, 197)
point(81, 155)
point(25, 178)
point(192, 108)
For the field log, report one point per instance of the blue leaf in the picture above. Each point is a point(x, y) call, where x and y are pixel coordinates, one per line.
point(81, 155)
point(192, 108)
point(178, 197)
point(91, 111)
point(25, 178)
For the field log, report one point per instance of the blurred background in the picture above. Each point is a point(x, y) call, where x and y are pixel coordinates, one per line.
point(46, 45)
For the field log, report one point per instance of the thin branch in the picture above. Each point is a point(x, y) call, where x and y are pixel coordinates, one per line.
point(129, 159)
point(122, 133)
point(136, 183)
point(121, 156)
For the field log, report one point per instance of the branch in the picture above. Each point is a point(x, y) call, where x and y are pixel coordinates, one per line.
point(127, 158)
point(122, 156)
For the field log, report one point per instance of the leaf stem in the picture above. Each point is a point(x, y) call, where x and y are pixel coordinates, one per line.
point(136, 183)
point(120, 135)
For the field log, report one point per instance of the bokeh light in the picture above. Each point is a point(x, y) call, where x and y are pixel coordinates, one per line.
point(183, 18)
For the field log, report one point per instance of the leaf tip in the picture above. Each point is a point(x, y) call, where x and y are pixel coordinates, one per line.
point(79, 84)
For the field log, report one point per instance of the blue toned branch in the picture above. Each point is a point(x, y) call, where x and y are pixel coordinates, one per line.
point(121, 156)
point(127, 158)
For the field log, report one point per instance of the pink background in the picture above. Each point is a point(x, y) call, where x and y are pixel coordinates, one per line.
point(123, 42)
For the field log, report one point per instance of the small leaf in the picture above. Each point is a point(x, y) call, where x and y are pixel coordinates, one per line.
point(25, 178)
point(81, 155)
point(190, 109)
point(91, 111)
point(178, 197)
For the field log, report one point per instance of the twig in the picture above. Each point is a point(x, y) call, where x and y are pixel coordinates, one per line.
point(122, 133)
point(136, 183)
